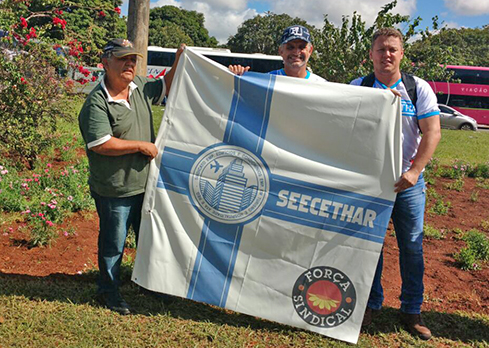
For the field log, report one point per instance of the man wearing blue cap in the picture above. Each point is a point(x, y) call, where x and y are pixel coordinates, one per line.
point(295, 49)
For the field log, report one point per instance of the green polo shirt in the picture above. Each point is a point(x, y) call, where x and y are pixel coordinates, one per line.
point(101, 118)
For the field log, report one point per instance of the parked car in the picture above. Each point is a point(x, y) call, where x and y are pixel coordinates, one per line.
point(453, 119)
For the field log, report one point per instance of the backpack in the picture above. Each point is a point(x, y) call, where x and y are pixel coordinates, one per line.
point(407, 79)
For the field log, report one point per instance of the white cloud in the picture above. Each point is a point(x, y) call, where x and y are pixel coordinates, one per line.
point(222, 17)
point(313, 11)
point(468, 7)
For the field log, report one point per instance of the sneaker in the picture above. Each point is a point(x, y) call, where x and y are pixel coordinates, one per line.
point(415, 326)
point(369, 315)
point(114, 302)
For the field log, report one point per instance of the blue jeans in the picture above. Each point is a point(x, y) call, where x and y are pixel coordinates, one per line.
point(408, 217)
point(116, 216)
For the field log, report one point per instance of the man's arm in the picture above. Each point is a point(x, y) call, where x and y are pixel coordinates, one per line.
point(430, 127)
point(169, 76)
point(118, 147)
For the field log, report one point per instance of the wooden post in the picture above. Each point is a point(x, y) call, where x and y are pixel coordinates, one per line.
point(138, 31)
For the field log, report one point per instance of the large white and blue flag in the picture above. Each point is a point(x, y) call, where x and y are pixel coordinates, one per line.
point(270, 196)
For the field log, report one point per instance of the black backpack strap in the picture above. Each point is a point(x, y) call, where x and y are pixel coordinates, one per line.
point(369, 80)
point(410, 85)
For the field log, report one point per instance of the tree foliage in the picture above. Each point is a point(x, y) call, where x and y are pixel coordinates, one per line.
point(30, 90)
point(465, 46)
point(90, 22)
point(169, 26)
point(343, 52)
point(261, 34)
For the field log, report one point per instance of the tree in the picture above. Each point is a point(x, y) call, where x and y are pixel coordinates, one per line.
point(343, 52)
point(261, 34)
point(137, 31)
point(89, 23)
point(465, 46)
point(31, 83)
point(169, 26)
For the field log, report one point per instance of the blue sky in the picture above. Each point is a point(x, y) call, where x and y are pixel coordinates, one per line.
point(224, 16)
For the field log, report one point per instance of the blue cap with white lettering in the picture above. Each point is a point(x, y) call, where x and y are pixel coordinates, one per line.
point(296, 32)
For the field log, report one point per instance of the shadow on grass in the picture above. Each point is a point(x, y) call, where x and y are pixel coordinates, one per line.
point(80, 289)
point(461, 327)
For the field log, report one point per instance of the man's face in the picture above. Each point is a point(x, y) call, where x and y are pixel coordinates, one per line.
point(123, 68)
point(295, 53)
point(386, 54)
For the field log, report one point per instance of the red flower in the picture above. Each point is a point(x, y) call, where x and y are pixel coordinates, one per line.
point(101, 14)
point(60, 22)
point(23, 81)
point(118, 10)
point(32, 32)
point(94, 79)
point(23, 22)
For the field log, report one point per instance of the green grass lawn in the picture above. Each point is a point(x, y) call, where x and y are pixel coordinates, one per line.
point(470, 147)
point(59, 311)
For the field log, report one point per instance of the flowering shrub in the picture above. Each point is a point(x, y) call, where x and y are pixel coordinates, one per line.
point(30, 96)
point(456, 171)
point(45, 198)
point(41, 230)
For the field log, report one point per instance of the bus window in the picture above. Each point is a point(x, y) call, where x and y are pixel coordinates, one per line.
point(161, 58)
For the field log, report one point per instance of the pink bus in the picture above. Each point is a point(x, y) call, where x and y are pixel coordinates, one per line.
point(470, 96)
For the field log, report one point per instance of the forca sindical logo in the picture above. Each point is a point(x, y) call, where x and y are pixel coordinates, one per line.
point(324, 297)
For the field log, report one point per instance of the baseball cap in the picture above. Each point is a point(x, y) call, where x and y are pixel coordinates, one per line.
point(121, 48)
point(296, 32)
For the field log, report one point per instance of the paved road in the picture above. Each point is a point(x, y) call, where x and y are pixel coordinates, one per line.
point(483, 128)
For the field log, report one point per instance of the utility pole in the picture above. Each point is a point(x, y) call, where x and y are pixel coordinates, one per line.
point(138, 31)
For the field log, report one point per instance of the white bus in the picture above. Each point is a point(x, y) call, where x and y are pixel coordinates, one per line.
point(161, 59)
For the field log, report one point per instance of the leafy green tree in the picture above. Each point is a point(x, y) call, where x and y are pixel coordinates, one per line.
point(171, 35)
point(31, 86)
point(169, 26)
point(30, 91)
point(261, 34)
point(465, 46)
point(343, 52)
point(89, 22)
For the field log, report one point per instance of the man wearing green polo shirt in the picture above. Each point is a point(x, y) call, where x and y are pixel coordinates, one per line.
point(117, 126)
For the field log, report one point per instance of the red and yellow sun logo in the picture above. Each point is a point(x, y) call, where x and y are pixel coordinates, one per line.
point(324, 297)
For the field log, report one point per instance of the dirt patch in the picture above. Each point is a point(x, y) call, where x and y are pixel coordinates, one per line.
point(447, 288)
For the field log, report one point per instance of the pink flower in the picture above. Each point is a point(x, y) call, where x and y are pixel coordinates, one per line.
point(65, 233)
point(49, 165)
point(3, 172)
point(70, 198)
point(49, 223)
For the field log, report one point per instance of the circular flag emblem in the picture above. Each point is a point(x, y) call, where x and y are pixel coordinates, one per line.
point(229, 184)
point(324, 297)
